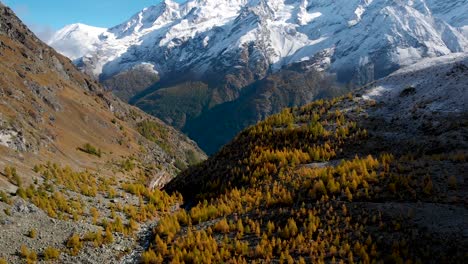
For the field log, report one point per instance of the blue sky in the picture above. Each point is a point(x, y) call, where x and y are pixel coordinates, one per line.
point(46, 16)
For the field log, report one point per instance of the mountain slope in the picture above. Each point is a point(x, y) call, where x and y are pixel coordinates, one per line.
point(360, 178)
point(292, 86)
point(72, 155)
point(212, 50)
point(50, 107)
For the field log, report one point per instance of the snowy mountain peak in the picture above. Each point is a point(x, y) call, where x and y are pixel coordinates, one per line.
point(153, 16)
point(357, 39)
point(76, 40)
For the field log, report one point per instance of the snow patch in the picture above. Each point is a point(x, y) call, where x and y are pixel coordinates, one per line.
point(303, 16)
point(433, 85)
point(76, 40)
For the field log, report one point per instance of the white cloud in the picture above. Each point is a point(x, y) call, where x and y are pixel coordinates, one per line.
point(43, 32)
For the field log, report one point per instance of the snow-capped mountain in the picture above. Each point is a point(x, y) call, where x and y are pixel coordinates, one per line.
point(76, 40)
point(252, 57)
point(360, 39)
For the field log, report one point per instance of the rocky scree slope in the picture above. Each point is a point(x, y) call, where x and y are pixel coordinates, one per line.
point(211, 50)
point(378, 174)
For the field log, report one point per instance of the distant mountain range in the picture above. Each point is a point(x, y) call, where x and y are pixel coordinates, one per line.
point(211, 50)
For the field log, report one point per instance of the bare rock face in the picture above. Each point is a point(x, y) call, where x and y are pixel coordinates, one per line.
point(22, 207)
point(13, 140)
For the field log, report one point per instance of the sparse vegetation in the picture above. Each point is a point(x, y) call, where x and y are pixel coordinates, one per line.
point(74, 244)
point(29, 255)
point(90, 149)
point(155, 133)
point(13, 176)
point(32, 233)
point(128, 165)
point(4, 198)
point(51, 254)
point(301, 186)
point(36, 127)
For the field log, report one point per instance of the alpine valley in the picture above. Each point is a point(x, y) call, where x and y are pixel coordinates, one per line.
point(179, 61)
point(339, 131)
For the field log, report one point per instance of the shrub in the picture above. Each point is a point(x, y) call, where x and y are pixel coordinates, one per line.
point(12, 175)
point(95, 237)
point(10, 172)
point(75, 244)
point(51, 254)
point(29, 255)
point(24, 251)
point(4, 198)
point(32, 257)
point(192, 157)
point(32, 233)
point(109, 238)
point(21, 193)
point(128, 165)
point(95, 214)
point(90, 149)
